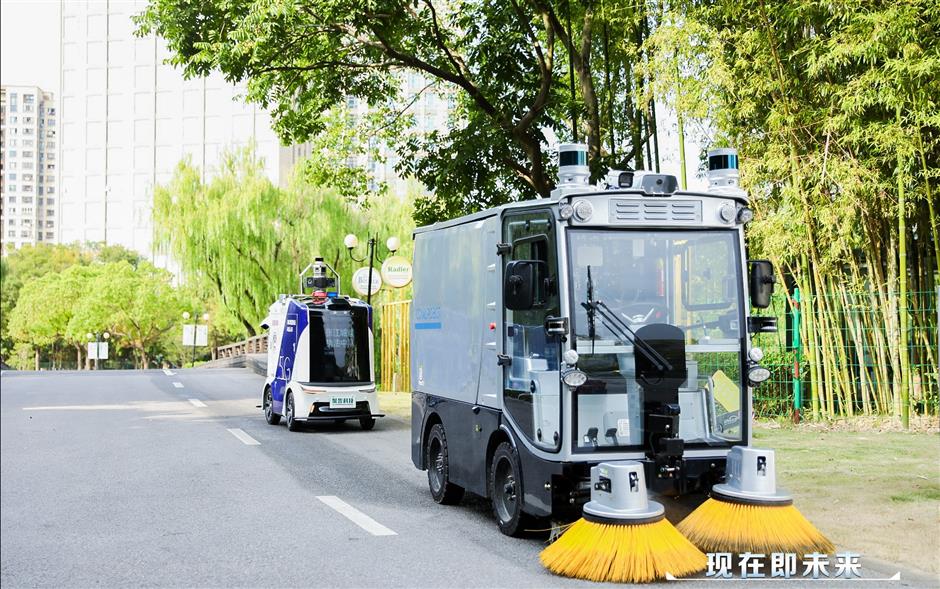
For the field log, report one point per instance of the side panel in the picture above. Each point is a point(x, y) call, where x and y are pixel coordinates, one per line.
point(295, 327)
point(468, 433)
point(448, 312)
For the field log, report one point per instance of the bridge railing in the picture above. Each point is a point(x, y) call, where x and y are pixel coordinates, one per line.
point(253, 345)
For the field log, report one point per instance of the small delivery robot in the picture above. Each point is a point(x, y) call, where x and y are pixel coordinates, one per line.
point(320, 355)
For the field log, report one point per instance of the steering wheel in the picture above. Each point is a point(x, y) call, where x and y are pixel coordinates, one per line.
point(643, 313)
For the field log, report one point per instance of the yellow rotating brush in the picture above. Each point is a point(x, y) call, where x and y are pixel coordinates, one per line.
point(749, 513)
point(623, 537)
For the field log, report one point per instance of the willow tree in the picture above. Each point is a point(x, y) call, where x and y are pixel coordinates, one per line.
point(245, 240)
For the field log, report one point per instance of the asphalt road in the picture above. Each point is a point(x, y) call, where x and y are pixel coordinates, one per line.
point(145, 479)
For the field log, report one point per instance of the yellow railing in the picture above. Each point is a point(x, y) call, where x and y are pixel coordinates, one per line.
point(395, 361)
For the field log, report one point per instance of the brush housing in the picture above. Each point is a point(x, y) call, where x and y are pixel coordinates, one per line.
point(751, 477)
point(618, 495)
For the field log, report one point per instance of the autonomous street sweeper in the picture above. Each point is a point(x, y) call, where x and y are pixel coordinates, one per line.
point(320, 355)
point(588, 346)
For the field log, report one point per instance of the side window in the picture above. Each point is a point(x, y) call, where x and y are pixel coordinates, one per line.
point(531, 382)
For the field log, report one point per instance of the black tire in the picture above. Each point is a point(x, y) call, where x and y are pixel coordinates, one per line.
point(435, 454)
point(292, 424)
point(269, 415)
point(367, 423)
point(505, 486)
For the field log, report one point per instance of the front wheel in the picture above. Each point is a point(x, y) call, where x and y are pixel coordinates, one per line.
point(505, 481)
point(292, 423)
point(269, 415)
point(367, 423)
point(442, 490)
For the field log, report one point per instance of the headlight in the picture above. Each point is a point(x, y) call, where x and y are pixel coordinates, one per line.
point(583, 210)
point(574, 378)
point(565, 211)
point(756, 354)
point(758, 374)
point(570, 357)
point(727, 212)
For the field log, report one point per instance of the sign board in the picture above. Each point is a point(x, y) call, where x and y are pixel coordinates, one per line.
point(361, 278)
point(201, 336)
point(396, 271)
point(97, 350)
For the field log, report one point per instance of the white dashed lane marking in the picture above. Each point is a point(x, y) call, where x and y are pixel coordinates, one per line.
point(197, 403)
point(245, 438)
point(355, 516)
point(168, 372)
point(177, 384)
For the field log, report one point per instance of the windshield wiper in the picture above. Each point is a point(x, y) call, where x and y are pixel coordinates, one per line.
point(590, 308)
point(618, 328)
point(614, 323)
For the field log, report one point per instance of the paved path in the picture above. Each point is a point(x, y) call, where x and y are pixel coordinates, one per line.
point(174, 479)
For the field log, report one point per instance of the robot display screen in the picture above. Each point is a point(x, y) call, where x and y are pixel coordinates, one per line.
point(690, 280)
point(339, 346)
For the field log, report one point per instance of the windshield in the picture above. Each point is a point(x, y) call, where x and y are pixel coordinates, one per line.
point(339, 346)
point(624, 281)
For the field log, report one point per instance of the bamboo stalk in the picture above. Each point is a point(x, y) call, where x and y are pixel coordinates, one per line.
point(902, 295)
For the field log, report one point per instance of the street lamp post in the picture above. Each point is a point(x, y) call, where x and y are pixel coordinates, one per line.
point(205, 317)
point(97, 338)
point(351, 241)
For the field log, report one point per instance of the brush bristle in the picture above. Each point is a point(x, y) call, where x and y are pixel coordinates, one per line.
point(722, 526)
point(622, 553)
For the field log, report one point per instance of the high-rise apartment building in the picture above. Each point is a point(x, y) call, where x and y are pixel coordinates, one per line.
point(128, 119)
point(430, 109)
point(27, 166)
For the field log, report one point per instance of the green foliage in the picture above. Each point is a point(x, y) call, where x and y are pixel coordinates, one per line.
point(344, 137)
point(244, 240)
point(53, 296)
point(22, 265)
point(136, 305)
point(834, 110)
point(505, 65)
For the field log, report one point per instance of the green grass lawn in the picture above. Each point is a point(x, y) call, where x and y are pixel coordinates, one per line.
point(877, 493)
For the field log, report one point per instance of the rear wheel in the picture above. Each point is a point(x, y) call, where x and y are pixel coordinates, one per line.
point(367, 423)
point(292, 423)
point(442, 490)
point(505, 479)
point(269, 415)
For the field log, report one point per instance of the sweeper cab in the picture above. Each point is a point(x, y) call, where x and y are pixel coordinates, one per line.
point(608, 322)
point(320, 355)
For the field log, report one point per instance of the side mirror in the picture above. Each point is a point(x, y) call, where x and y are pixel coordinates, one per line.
point(519, 284)
point(762, 283)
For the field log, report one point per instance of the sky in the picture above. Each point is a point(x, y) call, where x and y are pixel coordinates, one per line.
point(34, 24)
point(29, 43)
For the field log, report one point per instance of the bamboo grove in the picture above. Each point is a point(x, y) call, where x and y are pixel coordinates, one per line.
point(834, 110)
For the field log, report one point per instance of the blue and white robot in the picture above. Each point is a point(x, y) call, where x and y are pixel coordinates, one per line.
point(320, 355)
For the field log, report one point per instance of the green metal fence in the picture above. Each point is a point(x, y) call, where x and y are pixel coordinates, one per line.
point(838, 355)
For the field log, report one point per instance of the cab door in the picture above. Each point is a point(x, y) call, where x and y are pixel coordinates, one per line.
point(531, 382)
